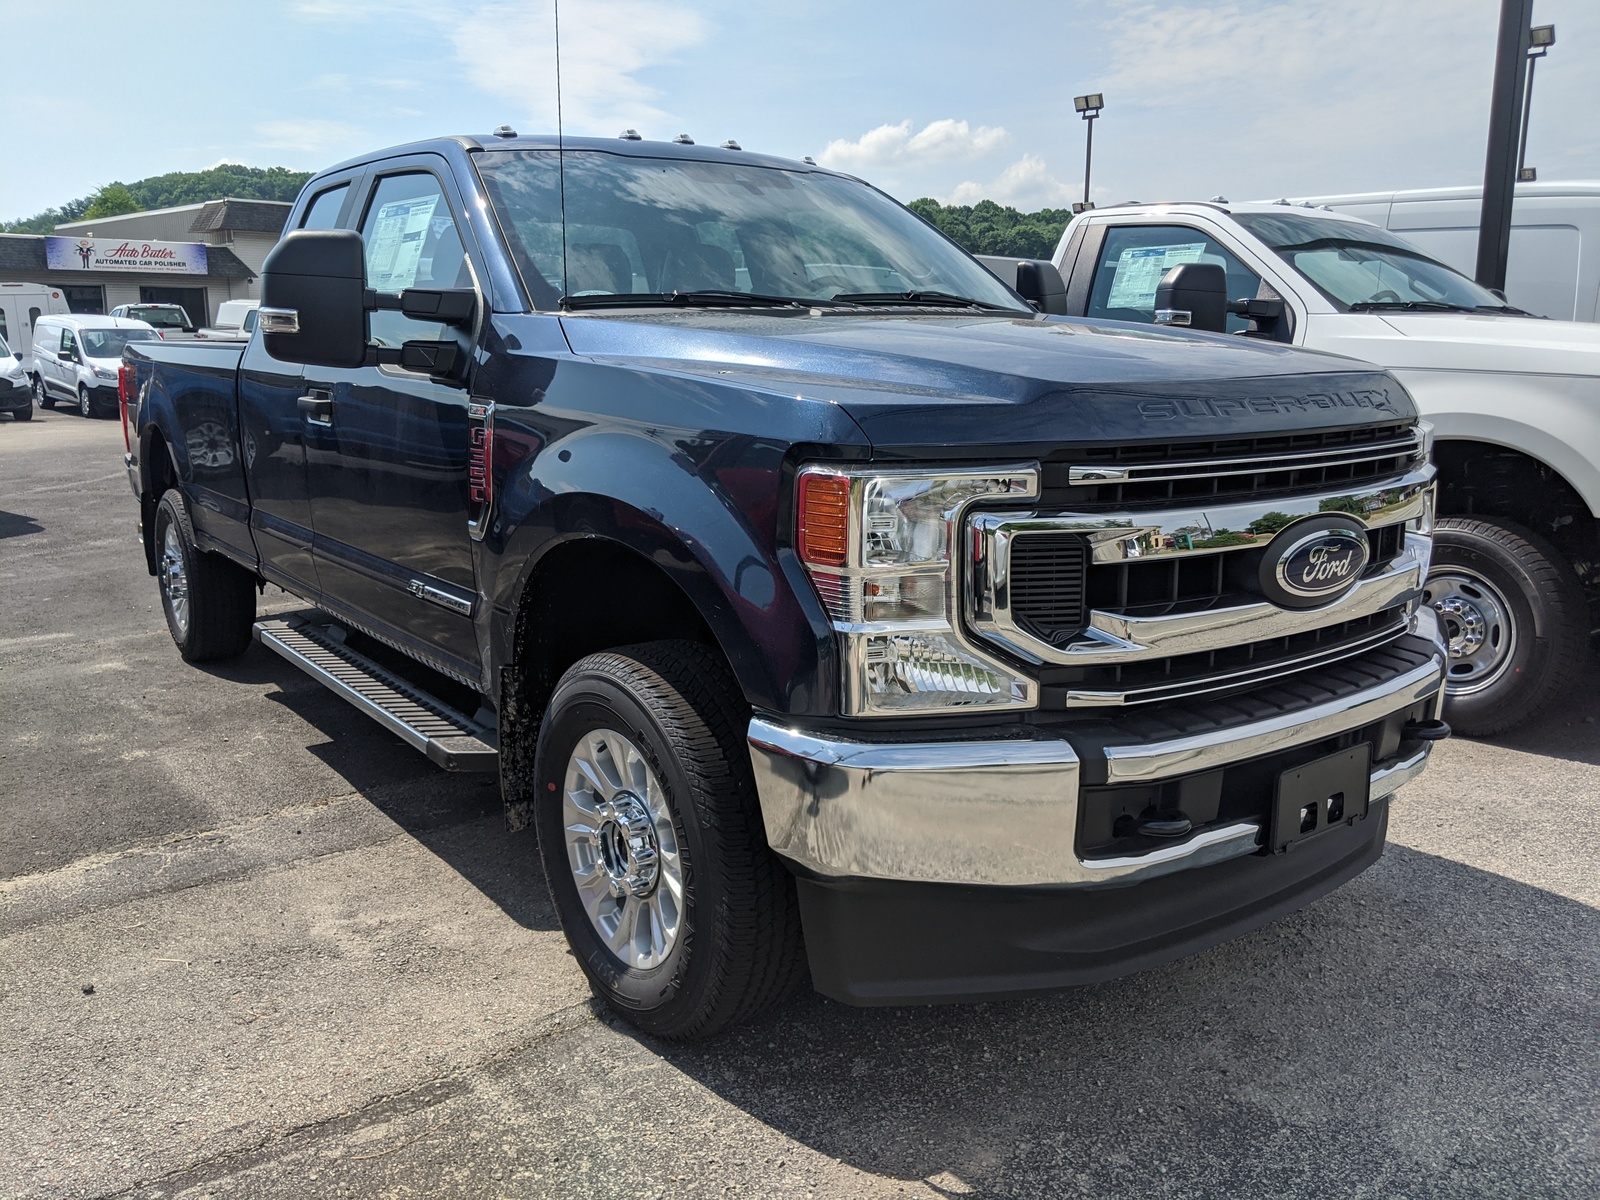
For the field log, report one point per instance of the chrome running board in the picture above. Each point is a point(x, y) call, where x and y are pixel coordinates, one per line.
point(449, 738)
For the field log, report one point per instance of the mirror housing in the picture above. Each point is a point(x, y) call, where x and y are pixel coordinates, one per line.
point(313, 299)
point(1193, 296)
point(1040, 284)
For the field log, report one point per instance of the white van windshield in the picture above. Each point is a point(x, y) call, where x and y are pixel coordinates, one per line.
point(670, 231)
point(1362, 268)
point(110, 343)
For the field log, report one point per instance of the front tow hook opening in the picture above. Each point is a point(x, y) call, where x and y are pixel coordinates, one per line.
point(1425, 731)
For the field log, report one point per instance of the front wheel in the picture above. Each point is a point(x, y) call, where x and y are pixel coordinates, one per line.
point(1514, 617)
point(85, 403)
point(22, 414)
point(209, 602)
point(678, 912)
point(41, 395)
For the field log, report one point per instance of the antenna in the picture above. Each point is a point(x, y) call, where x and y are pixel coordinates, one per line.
point(561, 153)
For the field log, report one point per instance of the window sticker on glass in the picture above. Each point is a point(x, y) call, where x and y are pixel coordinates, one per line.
point(395, 248)
point(1139, 271)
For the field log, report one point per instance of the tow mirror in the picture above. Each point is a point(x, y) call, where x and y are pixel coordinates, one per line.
point(314, 306)
point(1193, 296)
point(1039, 283)
point(313, 299)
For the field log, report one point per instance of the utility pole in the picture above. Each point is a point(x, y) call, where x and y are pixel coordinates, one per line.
point(1505, 122)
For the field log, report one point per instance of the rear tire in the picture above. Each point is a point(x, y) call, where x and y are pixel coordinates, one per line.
point(1515, 617)
point(209, 601)
point(645, 797)
point(41, 395)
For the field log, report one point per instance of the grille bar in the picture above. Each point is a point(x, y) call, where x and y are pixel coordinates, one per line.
point(1408, 449)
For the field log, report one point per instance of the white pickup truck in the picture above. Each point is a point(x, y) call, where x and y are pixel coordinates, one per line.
point(1514, 401)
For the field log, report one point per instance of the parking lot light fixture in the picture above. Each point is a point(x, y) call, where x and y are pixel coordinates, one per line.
point(1088, 107)
point(1540, 39)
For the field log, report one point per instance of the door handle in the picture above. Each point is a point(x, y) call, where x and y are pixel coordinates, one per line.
point(317, 407)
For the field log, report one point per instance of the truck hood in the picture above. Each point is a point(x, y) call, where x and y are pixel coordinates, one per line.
point(981, 382)
point(1463, 342)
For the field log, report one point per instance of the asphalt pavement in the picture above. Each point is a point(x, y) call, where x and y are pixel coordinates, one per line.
point(252, 945)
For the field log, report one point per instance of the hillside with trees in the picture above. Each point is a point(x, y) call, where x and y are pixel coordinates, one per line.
point(169, 191)
point(990, 228)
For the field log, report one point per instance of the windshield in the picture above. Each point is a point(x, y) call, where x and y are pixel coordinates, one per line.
point(109, 343)
point(161, 318)
point(663, 230)
point(1362, 268)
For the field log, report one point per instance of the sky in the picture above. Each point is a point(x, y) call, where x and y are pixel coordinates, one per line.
point(961, 101)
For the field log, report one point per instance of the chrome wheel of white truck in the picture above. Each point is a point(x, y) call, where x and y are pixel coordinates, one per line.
point(1513, 616)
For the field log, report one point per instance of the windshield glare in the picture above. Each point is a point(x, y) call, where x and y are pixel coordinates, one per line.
point(654, 226)
point(1357, 265)
point(110, 343)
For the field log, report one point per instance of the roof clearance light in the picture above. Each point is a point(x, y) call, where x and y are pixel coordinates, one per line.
point(683, 139)
point(730, 144)
point(630, 135)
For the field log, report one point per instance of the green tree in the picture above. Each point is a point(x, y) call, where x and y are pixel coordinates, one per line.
point(111, 201)
point(1270, 522)
point(990, 228)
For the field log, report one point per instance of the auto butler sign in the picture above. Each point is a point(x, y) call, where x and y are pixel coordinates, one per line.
point(124, 254)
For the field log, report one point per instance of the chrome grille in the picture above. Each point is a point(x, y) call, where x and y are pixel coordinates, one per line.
point(1200, 472)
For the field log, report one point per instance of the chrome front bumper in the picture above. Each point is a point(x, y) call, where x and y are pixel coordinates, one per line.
point(1005, 812)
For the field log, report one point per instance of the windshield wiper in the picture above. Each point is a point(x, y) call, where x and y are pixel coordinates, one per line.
point(1410, 306)
point(700, 298)
point(942, 299)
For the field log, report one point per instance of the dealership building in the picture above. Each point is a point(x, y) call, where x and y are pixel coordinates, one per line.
point(196, 255)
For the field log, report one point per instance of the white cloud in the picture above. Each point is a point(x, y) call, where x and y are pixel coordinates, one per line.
point(508, 50)
point(1026, 184)
point(942, 141)
point(311, 137)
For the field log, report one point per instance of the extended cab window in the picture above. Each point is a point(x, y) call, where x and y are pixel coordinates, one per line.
point(1133, 258)
point(324, 210)
point(411, 241)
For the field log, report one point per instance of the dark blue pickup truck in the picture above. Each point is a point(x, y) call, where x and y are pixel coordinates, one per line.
point(823, 605)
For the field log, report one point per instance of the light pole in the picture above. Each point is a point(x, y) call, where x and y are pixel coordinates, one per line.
point(1540, 39)
point(1088, 108)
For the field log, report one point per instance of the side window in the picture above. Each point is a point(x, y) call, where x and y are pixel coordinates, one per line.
point(324, 210)
point(5, 334)
point(69, 343)
point(1133, 258)
point(250, 319)
point(33, 317)
point(411, 241)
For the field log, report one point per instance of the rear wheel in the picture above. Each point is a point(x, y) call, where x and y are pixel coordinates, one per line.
point(43, 397)
point(85, 403)
point(680, 915)
point(209, 602)
point(1514, 617)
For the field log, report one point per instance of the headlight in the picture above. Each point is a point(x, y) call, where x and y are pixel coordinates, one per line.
point(102, 373)
point(880, 547)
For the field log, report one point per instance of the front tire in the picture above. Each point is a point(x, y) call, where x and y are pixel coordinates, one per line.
point(85, 402)
point(41, 394)
point(209, 602)
point(1514, 616)
point(677, 911)
point(22, 414)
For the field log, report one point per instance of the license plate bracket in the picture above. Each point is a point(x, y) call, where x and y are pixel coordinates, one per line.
point(1321, 795)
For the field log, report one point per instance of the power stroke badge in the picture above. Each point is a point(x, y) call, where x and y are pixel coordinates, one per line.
point(1314, 562)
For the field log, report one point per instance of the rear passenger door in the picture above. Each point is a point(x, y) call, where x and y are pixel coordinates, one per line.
point(388, 465)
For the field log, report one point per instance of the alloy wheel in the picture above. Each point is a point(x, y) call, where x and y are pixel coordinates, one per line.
point(174, 579)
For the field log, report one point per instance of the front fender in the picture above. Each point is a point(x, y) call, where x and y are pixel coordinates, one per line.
point(1553, 418)
point(707, 521)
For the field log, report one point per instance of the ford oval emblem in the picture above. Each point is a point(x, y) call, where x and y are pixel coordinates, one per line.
point(1314, 562)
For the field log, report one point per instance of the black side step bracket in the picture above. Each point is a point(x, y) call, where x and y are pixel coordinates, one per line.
point(451, 739)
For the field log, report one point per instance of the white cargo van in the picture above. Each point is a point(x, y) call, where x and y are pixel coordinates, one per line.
point(21, 306)
point(1554, 265)
point(75, 358)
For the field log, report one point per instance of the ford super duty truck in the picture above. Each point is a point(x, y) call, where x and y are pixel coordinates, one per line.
point(1514, 401)
point(824, 606)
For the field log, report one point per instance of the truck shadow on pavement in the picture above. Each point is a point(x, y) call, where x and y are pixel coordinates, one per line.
point(457, 817)
point(1569, 729)
point(17, 525)
point(1427, 1029)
